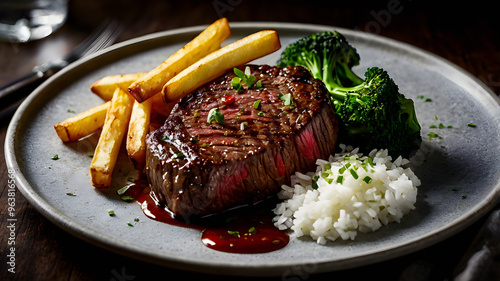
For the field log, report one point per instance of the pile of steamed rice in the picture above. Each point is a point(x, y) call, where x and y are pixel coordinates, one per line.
point(348, 193)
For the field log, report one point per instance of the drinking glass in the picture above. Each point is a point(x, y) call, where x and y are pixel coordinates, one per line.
point(26, 20)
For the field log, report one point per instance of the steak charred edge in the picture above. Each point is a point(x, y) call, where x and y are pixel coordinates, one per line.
point(196, 185)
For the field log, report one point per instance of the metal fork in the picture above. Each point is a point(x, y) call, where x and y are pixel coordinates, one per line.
point(102, 37)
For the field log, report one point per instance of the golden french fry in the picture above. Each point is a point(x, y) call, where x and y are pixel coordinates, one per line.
point(138, 128)
point(82, 124)
point(106, 86)
point(206, 42)
point(218, 62)
point(110, 140)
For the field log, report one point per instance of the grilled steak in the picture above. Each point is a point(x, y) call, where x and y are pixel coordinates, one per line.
point(200, 168)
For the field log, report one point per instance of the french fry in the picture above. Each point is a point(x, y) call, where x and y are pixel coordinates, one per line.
point(137, 129)
point(106, 86)
point(113, 131)
point(218, 62)
point(82, 124)
point(140, 125)
point(206, 42)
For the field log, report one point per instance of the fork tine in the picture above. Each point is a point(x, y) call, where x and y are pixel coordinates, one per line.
point(107, 38)
point(105, 34)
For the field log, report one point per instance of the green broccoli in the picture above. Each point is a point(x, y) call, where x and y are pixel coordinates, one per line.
point(373, 112)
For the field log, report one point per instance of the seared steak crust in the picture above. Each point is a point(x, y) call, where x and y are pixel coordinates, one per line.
point(200, 168)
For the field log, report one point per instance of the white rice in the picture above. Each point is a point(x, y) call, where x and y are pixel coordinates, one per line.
point(316, 205)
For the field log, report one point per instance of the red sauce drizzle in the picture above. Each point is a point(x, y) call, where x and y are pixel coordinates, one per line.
point(246, 232)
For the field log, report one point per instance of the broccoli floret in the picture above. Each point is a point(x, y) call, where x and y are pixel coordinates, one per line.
point(374, 114)
point(328, 56)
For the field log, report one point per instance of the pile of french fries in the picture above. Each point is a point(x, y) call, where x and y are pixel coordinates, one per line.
point(131, 99)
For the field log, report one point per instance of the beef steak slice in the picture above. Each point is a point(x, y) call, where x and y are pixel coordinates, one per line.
point(201, 168)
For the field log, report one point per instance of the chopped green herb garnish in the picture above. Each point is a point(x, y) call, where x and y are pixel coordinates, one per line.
point(325, 175)
point(91, 155)
point(164, 138)
point(245, 77)
point(260, 113)
point(194, 140)
point(363, 165)
point(354, 174)
point(129, 224)
point(256, 104)
point(124, 189)
point(340, 179)
point(236, 84)
point(440, 126)
point(287, 99)
point(55, 157)
point(248, 78)
point(314, 183)
point(71, 111)
point(252, 230)
point(111, 213)
point(369, 161)
point(234, 233)
point(342, 170)
point(434, 135)
point(243, 125)
point(70, 194)
point(131, 179)
point(196, 114)
point(204, 144)
point(127, 198)
point(464, 196)
point(179, 155)
point(258, 85)
point(472, 125)
point(424, 98)
point(215, 115)
point(367, 179)
point(136, 219)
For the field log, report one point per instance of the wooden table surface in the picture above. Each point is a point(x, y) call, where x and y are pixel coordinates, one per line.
point(468, 36)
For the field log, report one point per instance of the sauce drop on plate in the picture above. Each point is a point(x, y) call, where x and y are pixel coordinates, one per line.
point(247, 232)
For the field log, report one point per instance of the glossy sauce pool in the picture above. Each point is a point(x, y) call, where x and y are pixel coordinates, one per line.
point(246, 231)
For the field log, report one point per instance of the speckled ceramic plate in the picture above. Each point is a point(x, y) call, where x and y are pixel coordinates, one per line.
point(465, 159)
